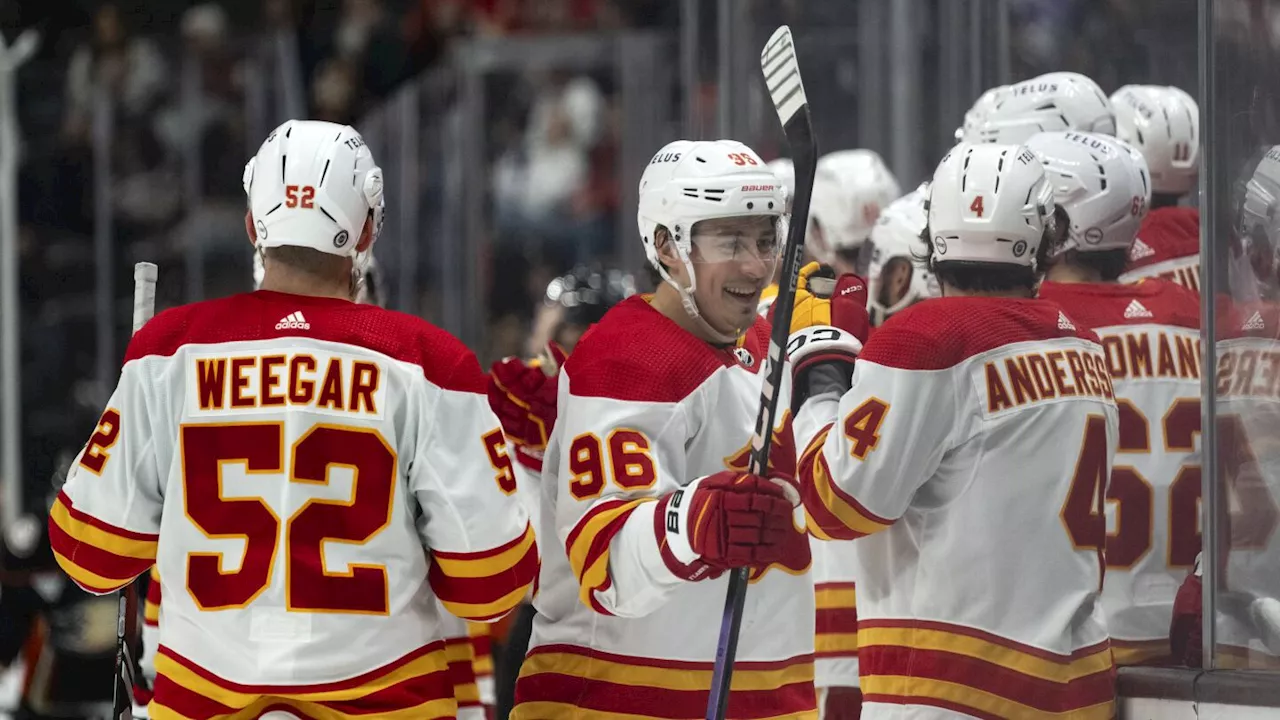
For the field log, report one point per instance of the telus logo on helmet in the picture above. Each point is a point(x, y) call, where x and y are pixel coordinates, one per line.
point(665, 158)
point(1033, 87)
point(1131, 99)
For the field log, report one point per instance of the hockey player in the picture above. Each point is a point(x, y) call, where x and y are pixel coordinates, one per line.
point(523, 394)
point(967, 453)
point(644, 485)
point(1163, 123)
point(187, 469)
point(898, 278)
point(850, 187)
point(1151, 332)
point(1054, 101)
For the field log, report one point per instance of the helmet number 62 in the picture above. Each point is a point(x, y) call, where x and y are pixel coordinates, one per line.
point(299, 196)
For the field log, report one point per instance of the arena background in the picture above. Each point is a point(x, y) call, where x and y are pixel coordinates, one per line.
point(512, 134)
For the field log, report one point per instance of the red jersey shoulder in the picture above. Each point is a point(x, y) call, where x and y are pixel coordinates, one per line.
point(1258, 319)
point(944, 332)
point(264, 315)
point(636, 353)
point(1153, 301)
point(1167, 233)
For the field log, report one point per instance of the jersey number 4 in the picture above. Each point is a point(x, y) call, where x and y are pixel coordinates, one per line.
point(1084, 515)
point(260, 449)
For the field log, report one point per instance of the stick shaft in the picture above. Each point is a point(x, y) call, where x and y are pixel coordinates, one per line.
point(782, 77)
point(144, 308)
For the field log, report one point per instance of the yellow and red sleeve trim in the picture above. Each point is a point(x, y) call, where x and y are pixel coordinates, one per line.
point(481, 648)
point(415, 686)
point(572, 681)
point(830, 513)
point(588, 546)
point(151, 608)
point(100, 557)
point(461, 656)
point(837, 620)
point(905, 662)
point(485, 585)
point(1141, 652)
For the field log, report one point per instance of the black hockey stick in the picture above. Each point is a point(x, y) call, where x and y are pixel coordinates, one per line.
point(782, 76)
point(144, 307)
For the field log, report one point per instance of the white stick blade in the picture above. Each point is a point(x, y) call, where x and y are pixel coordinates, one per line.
point(782, 74)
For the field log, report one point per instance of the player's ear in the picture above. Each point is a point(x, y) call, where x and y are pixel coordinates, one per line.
point(667, 254)
point(249, 229)
point(366, 235)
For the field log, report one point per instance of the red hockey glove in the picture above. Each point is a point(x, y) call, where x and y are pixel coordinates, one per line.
point(842, 703)
point(1185, 632)
point(728, 520)
point(523, 396)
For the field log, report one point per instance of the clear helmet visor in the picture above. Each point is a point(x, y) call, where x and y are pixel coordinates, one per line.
point(754, 240)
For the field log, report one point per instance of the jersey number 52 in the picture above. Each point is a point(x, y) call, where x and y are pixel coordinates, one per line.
point(259, 448)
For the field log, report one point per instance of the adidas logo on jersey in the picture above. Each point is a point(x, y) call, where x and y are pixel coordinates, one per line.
point(1136, 310)
point(1254, 322)
point(1140, 250)
point(1064, 322)
point(293, 321)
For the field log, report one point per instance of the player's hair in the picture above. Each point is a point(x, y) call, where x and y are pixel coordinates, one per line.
point(1160, 200)
point(974, 276)
point(1109, 264)
point(307, 260)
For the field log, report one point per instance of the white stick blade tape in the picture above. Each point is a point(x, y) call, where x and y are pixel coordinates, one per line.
point(782, 74)
point(144, 293)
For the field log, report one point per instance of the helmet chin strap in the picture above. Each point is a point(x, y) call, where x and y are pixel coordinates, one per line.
point(690, 306)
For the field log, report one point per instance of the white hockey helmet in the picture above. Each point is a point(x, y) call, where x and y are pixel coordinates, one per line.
point(689, 181)
point(974, 115)
point(989, 203)
point(899, 234)
point(785, 170)
point(1255, 270)
point(1101, 182)
point(314, 184)
point(1055, 101)
point(1163, 123)
point(850, 188)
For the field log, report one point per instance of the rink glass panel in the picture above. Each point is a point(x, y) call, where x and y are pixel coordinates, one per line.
point(1242, 498)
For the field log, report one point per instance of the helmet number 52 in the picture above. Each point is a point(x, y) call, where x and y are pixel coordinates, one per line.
point(299, 196)
point(976, 206)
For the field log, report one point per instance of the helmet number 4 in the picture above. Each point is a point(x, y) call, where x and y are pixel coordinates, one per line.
point(299, 196)
point(976, 206)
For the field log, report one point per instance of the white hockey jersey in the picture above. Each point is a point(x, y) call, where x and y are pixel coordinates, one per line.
point(310, 476)
point(969, 460)
point(644, 408)
point(1151, 334)
point(1247, 383)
